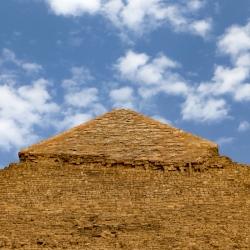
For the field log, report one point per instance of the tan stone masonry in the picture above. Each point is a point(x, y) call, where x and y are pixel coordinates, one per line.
point(124, 181)
point(124, 137)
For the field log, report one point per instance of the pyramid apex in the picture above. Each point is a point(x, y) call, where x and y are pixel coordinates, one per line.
point(123, 111)
point(123, 136)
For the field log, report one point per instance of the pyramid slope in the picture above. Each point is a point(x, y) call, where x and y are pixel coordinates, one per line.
point(47, 206)
point(124, 136)
point(51, 205)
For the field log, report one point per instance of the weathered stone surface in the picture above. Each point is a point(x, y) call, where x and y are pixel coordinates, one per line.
point(45, 206)
point(124, 137)
point(99, 198)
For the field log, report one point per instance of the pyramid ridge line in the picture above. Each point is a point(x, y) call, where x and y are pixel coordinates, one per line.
point(113, 111)
point(67, 131)
point(164, 124)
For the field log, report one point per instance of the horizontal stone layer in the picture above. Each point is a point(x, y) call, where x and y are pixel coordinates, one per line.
point(199, 164)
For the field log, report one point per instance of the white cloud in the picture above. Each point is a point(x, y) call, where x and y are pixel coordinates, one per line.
point(130, 63)
point(74, 7)
point(79, 76)
point(139, 15)
point(123, 97)
point(151, 75)
point(225, 80)
point(233, 80)
point(225, 140)
point(77, 93)
point(195, 4)
point(175, 86)
point(12, 134)
point(28, 108)
point(201, 27)
point(243, 93)
point(141, 69)
point(235, 41)
point(244, 126)
point(32, 67)
point(22, 108)
point(204, 109)
point(243, 60)
point(72, 120)
point(123, 94)
point(9, 56)
point(205, 101)
point(83, 98)
point(158, 75)
point(28, 67)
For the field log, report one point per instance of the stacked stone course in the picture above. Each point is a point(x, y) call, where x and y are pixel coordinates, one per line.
point(124, 137)
point(100, 186)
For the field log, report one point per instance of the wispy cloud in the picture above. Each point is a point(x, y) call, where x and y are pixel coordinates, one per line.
point(81, 100)
point(9, 56)
point(123, 97)
point(244, 126)
point(225, 140)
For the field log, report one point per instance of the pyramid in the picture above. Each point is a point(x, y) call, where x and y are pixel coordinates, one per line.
point(124, 181)
point(124, 137)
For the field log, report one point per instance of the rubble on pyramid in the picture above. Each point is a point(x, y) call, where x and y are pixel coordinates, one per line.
point(126, 138)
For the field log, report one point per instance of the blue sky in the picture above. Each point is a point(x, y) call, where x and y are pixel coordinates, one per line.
point(63, 62)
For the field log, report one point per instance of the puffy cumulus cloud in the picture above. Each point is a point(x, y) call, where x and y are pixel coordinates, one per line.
point(202, 101)
point(152, 75)
point(139, 15)
point(202, 109)
point(141, 69)
point(27, 109)
point(235, 79)
point(14, 135)
point(22, 108)
point(74, 7)
point(244, 126)
point(235, 41)
point(130, 63)
point(159, 75)
point(243, 93)
point(225, 80)
point(123, 97)
point(208, 101)
point(201, 27)
point(195, 4)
